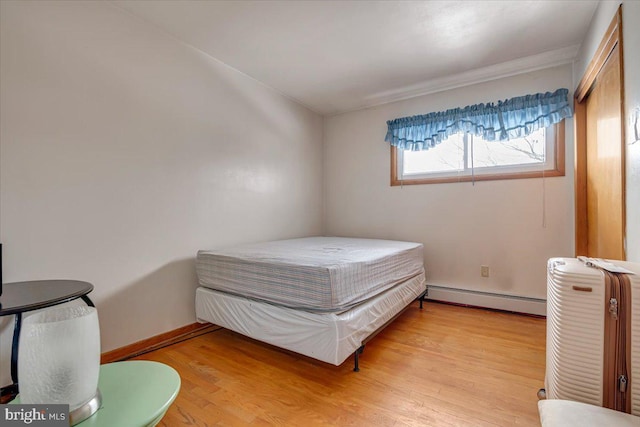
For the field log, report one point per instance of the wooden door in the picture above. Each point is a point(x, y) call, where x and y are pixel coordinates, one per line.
point(605, 233)
point(600, 205)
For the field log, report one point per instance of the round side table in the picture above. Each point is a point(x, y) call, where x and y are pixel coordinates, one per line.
point(21, 297)
point(135, 393)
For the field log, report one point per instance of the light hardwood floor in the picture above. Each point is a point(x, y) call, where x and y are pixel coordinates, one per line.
point(442, 366)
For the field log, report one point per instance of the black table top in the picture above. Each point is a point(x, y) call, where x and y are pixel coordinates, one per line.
point(19, 297)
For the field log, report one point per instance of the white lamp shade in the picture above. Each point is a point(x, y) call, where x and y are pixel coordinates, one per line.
point(59, 356)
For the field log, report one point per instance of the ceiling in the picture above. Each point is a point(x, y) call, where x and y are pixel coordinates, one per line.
point(336, 56)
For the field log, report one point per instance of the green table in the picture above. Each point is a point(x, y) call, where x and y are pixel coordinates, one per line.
point(135, 393)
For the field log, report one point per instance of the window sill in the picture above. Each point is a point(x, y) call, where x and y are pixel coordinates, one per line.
point(485, 177)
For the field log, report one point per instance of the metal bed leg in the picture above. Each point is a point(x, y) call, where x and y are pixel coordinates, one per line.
point(359, 350)
point(356, 355)
point(422, 297)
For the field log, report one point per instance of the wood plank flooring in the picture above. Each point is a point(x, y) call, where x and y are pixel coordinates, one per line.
point(441, 366)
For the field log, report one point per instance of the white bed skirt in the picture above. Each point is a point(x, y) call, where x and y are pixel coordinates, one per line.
point(329, 337)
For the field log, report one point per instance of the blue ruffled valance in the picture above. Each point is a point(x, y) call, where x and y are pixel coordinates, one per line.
point(512, 118)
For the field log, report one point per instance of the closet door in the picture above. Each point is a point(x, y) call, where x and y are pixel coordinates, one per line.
point(600, 205)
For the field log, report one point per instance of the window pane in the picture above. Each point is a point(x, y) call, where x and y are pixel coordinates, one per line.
point(447, 156)
point(529, 157)
point(521, 151)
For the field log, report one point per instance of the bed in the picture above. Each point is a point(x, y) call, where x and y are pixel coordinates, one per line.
point(323, 297)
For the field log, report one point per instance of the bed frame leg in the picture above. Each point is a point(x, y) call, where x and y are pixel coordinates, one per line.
point(422, 297)
point(356, 354)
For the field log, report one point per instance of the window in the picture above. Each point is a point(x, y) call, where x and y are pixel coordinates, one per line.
point(465, 157)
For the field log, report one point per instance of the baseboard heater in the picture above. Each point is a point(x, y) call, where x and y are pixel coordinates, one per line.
point(514, 303)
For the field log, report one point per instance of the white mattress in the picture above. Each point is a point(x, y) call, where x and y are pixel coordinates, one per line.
point(314, 273)
point(329, 337)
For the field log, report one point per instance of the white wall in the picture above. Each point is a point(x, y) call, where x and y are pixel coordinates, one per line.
point(124, 151)
point(631, 41)
point(494, 223)
point(599, 24)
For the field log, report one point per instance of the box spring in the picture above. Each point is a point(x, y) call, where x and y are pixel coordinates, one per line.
point(330, 337)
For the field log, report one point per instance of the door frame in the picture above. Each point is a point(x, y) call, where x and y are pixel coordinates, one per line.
point(611, 39)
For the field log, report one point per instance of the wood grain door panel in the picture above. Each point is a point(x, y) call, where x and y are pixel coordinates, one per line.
point(604, 164)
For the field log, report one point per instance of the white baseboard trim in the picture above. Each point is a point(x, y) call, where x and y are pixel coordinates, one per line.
point(514, 303)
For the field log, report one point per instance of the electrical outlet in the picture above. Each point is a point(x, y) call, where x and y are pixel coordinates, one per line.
point(484, 270)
